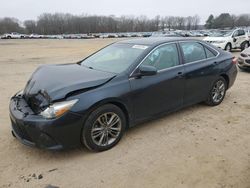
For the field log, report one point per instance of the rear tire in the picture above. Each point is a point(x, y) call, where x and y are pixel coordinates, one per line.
point(217, 93)
point(103, 128)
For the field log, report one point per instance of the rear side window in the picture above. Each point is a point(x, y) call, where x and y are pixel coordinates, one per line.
point(241, 32)
point(193, 51)
point(209, 53)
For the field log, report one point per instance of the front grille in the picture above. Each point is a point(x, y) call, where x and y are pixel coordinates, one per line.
point(20, 131)
point(248, 61)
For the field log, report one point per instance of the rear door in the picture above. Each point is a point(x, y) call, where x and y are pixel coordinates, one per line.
point(200, 70)
point(239, 37)
point(161, 92)
point(242, 36)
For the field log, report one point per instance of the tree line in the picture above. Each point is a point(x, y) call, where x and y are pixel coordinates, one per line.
point(227, 20)
point(60, 23)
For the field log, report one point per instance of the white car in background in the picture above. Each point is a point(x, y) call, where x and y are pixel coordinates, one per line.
point(248, 33)
point(244, 60)
point(229, 39)
point(35, 36)
point(13, 35)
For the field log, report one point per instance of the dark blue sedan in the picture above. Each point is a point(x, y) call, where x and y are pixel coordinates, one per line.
point(94, 101)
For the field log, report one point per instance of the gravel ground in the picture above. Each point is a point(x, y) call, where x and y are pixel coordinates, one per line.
point(198, 146)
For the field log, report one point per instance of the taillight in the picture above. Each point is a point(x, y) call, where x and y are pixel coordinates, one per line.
point(235, 60)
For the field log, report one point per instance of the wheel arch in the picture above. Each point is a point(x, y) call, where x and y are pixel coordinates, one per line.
point(226, 77)
point(243, 43)
point(115, 102)
point(229, 43)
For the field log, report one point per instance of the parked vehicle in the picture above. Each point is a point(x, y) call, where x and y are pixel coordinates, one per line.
point(165, 34)
point(54, 36)
point(205, 33)
point(244, 60)
point(36, 36)
point(229, 39)
point(196, 34)
point(95, 100)
point(72, 36)
point(109, 35)
point(147, 34)
point(13, 35)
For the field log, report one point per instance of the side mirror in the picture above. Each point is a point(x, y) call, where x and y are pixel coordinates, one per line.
point(145, 70)
point(234, 39)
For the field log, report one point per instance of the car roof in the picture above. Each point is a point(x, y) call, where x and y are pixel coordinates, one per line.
point(153, 41)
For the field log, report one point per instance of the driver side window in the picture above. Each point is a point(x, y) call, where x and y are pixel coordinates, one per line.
point(163, 57)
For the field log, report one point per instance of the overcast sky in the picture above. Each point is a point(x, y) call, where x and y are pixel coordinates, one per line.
point(30, 9)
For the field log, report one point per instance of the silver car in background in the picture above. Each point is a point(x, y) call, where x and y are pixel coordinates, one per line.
point(244, 60)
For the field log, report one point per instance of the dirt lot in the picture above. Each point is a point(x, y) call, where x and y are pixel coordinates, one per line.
point(198, 146)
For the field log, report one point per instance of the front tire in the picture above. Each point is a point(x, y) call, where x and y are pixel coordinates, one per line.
point(217, 93)
point(228, 47)
point(104, 128)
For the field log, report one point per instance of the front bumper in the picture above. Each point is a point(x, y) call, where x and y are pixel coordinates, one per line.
point(33, 130)
point(244, 62)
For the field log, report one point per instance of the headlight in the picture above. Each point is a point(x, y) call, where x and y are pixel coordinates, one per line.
point(58, 109)
point(218, 42)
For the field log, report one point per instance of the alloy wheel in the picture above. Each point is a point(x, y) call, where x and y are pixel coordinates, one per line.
point(106, 129)
point(218, 91)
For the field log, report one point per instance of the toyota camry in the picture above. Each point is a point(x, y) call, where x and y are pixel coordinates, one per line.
point(92, 102)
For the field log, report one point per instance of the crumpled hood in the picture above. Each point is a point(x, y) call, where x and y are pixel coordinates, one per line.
point(211, 39)
point(59, 80)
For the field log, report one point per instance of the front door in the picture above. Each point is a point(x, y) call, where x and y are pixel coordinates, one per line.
point(162, 92)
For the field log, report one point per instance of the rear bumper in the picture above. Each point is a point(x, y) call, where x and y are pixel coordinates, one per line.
point(232, 74)
point(33, 130)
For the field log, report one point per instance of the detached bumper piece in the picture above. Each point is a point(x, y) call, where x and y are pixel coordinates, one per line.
point(33, 130)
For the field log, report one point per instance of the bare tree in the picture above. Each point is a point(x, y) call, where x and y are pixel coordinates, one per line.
point(196, 22)
point(60, 23)
point(30, 26)
point(8, 25)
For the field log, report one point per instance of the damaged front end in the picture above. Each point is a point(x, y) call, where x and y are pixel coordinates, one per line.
point(37, 102)
point(31, 127)
point(41, 104)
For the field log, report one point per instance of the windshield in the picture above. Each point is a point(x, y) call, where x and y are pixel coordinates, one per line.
point(115, 58)
point(222, 34)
